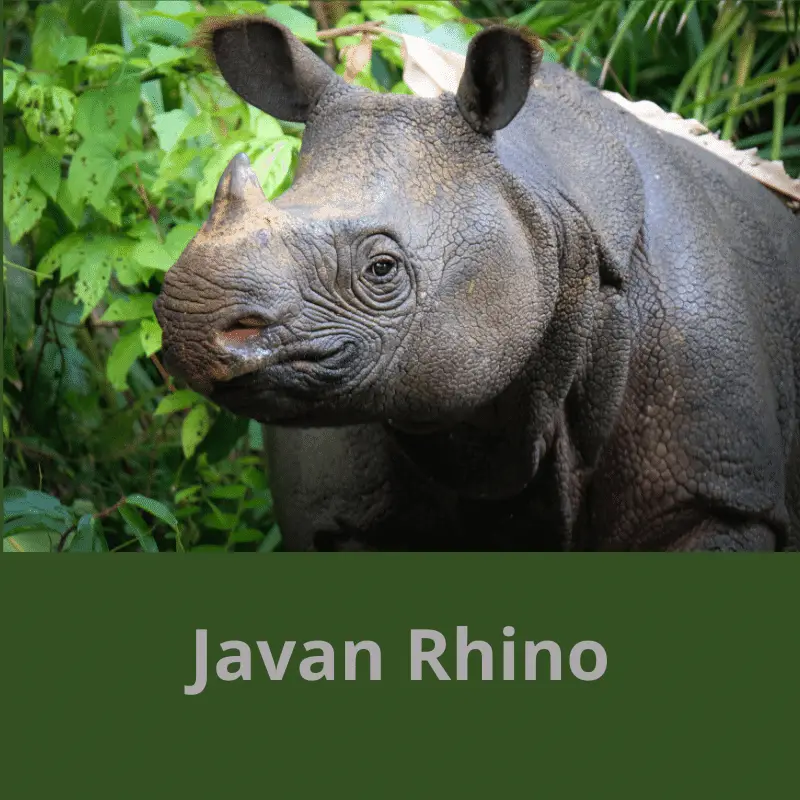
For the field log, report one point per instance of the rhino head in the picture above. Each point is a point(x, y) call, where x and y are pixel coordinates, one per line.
point(391, 280)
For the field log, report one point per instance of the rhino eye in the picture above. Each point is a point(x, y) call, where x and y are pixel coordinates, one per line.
point(381, 268)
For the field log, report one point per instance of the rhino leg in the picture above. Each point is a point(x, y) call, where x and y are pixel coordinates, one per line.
point(720, 536)
point(348, 488)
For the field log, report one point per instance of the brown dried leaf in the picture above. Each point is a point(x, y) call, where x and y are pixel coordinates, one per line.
point(357, 57)
point(770, 173)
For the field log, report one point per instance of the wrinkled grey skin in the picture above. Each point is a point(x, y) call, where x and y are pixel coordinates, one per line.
point(506, 319)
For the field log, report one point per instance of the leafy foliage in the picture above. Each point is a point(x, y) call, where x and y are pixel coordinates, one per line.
point(116, 134)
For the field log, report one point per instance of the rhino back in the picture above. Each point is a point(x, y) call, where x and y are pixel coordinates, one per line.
point(709, 261)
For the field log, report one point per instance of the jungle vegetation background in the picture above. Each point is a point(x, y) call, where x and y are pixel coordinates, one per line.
point(115, 135)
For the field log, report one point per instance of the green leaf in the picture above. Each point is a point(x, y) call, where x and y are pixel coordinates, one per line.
point(255, 435)
point(18, 501)
point(16, 179)
point(71, 206)
point(84, 539)
point(170, 126)
point(45, 169)
point(35, 522)
point(10, 80)
point(28, 214)
point(141, 530)
point(20, 296)
point(212, 172)
point(66, 255)
point(301, 25)
point(246, 535)
point(194, 429)
point(235, 492)
point(271, 541)
point(179, 237)
point(103, 116)
point(92, 173)
point(31, 542)
point(160, 55)
point(47, 112)
point(264, 128)
point(70, 48)
point(150, 333)
point(152, 254)
point(154, 507)
point(47, 35)
point(123, 354)
point(272, 167)
point(219, 521)
point(173, 8)
point(177, 401)
point(130, 307)
point(93, 278)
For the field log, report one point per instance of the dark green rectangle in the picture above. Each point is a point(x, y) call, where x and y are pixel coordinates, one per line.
point(699, 697)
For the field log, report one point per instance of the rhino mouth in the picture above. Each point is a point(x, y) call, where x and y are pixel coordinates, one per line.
point(253, 363)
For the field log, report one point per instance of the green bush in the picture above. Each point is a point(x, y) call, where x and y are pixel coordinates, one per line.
point(116, 133)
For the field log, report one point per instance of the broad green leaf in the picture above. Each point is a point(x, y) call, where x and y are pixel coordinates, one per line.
point(150, 333)
point(170, 126)
point(10, 80)
point(160, 55)
point(31, 542)
point(177, 401)
point(179, 237)
point(219, 521)
point(35, 521)
point(141, 530)
point(92, 173)
point(271, 541)
point(70, 48)
point(112, 211)
point(158, 26)
point(235, 492)
point(17, 501)
point(16, 179)
point(20, 297)
point(45, 169)
point(28, 213)
point(66, 255)
point(47, 35)
point(73, 207)
point(194, 429)
point(246, 535)
point(212, 172)
point(130, 307)
point(103, 116)
point(173, 8)
point(93, 278)
point(301, 25)
point(152, 254)
point(187, 493)
point(265, 129)
point(272, 167)
point(48, 112)
point(255, 435)
point(84, 539)
point(154, 507)
point(124, 352)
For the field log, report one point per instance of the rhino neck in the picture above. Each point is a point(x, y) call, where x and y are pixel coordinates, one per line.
point(497, 452)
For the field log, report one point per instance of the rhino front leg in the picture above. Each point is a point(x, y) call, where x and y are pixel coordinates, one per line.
point(720, 536)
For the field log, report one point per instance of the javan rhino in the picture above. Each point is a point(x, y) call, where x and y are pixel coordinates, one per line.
point(513, 318)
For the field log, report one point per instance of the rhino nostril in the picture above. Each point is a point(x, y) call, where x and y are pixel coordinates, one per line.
point(242, 329)
point(252, 321)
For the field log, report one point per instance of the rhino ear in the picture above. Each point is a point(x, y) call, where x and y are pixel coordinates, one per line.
point(501, 63)
point(266, 65)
